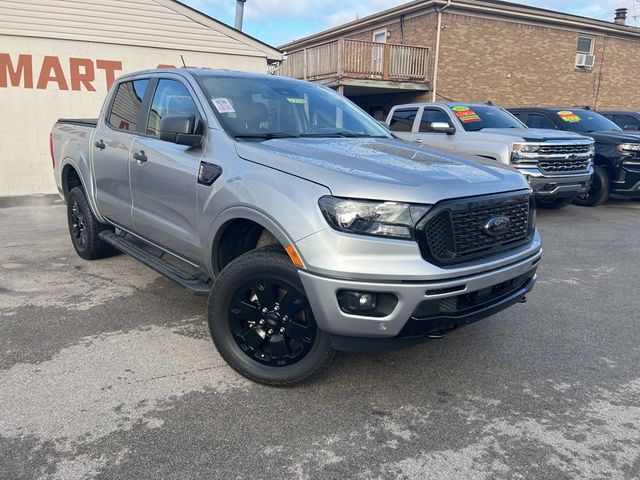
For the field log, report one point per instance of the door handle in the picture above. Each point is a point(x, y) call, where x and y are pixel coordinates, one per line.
point(140, 156)
point(100, 145)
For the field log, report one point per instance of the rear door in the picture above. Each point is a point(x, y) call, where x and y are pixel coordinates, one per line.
point(424, 133)
point(164, 185)
point(111, 146)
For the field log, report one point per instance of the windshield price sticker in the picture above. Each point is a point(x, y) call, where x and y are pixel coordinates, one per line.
point(223, 105)
point(568, 116)
point(466, 115)
point(296, 100)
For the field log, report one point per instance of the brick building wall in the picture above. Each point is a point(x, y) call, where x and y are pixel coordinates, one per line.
point(514, 64)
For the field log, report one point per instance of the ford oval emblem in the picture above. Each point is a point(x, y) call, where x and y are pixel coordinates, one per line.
point(497, 226)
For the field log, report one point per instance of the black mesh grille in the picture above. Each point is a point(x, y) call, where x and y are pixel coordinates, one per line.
point(455, 231)
point(564, 166)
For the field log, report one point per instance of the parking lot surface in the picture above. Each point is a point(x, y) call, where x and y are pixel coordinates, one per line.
point(107, 371)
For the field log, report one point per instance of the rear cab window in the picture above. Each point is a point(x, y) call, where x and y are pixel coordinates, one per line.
point(127, 104)
point(403, 119)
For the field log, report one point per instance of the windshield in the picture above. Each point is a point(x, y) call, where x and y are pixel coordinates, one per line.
point(477, 117)
point(255, 108)
point(585, 121)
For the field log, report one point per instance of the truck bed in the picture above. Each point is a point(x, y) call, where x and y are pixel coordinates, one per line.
point(85, 122)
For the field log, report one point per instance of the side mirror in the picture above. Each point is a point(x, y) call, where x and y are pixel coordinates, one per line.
point(179, 129)
point(630, 127)
point(442, 127)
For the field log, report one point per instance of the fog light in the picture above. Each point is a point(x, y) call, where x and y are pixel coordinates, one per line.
point(356, 302)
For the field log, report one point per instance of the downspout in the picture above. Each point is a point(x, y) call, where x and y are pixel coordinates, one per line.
point(437, 59)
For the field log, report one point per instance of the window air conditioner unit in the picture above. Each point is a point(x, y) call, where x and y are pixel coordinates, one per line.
point(585, 60)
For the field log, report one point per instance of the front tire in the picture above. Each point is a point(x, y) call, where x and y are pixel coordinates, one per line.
point(554, 203)
point(599, 191)
point(261, 321)
point(84, 228)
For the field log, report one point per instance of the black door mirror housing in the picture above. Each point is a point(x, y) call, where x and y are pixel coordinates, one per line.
point(180, 129)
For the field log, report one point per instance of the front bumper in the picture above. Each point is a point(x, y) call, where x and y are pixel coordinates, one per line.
point(628, 181)
point(322, 293)
point(545, 185)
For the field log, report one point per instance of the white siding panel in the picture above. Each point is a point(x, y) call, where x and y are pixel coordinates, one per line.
point(124, 22)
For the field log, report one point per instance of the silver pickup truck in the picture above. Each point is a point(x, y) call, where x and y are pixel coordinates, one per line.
point(308, 226)
point(558, 165)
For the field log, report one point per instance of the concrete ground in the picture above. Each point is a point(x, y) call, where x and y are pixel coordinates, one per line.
point(107, 371)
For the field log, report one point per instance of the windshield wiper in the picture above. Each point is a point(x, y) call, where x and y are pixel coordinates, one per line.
point(266, 136)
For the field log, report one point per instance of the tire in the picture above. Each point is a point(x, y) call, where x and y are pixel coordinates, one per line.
point(554, 203)
point(84, 228)
point(264, 334)
point(599, 191)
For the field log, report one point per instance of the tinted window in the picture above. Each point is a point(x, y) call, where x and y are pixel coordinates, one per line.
point(579, 120)
point(537, 120)
point(254, 108)
point(431, 115)
point(170, 98)
point(477, 117)
point(584, 44)
point(626, 120)
point(402, 120)
point(126, 105)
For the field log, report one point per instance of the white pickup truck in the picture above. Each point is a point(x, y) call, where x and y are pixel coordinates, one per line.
point(558, 165)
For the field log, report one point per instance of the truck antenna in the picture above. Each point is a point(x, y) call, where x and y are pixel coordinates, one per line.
point(183, 64)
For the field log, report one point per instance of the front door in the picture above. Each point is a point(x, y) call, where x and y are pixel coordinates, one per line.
point(164, 182)
point(111, 146)
point(424, 133)
point(377, 52)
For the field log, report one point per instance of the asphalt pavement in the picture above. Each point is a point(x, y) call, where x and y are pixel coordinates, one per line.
point(107, 371)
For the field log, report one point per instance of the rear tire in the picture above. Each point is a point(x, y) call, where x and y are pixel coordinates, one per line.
point(261, 322)
point(84, 228)
point(554, 203)
point(599, 191)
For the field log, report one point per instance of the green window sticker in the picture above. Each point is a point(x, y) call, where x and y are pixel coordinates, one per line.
point(296, 100)
point(465, 114)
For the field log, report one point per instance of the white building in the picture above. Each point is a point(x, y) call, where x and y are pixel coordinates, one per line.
point(59, 57)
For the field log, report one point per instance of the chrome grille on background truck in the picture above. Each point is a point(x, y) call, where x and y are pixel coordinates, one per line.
point(453, 232)
point(564, 166)
point(563, 149)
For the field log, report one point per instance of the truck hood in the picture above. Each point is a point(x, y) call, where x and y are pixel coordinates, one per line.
point(616, 136)
point(532, 134)
point(383, 169)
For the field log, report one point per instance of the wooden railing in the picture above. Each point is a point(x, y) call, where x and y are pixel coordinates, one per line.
point(357, 59)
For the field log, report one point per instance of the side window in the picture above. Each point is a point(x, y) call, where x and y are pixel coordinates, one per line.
point(126, 105)
point(170, 98)
point(537, 120)
point(519, 115)
point(402, 120)
point(431, 115)
point(626, 120)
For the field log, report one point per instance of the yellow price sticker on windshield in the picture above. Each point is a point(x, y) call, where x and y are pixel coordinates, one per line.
point(568, 116)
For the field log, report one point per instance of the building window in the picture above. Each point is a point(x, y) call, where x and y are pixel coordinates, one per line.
point(585, 45)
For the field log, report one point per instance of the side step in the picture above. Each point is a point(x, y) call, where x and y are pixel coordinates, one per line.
point(193, 284)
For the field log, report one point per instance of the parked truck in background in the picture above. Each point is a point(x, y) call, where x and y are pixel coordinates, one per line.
point(617, 158)
point(557, 165)
point(625, 120)
point(309, 227)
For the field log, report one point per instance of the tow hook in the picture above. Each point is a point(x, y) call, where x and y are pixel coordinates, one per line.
point(522, 299)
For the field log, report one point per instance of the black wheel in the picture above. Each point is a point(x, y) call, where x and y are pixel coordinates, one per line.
point(554, 203)
point(84, 227)
point(261, 321)
point(599, 191)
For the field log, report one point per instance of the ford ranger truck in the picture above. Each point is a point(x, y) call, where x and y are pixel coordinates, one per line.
point(556, 164)
point(308, 226)
point(617, 159)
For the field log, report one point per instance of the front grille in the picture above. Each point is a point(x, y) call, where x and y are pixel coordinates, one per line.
point(563, 149)
point(454, 231)
point(564, 166)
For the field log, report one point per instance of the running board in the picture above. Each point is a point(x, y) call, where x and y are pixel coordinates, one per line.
point(193, 284)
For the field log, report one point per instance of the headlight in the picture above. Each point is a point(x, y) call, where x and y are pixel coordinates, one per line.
point(369, 217)
point(628, 147)
point(592, 149)
point(525, 147)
